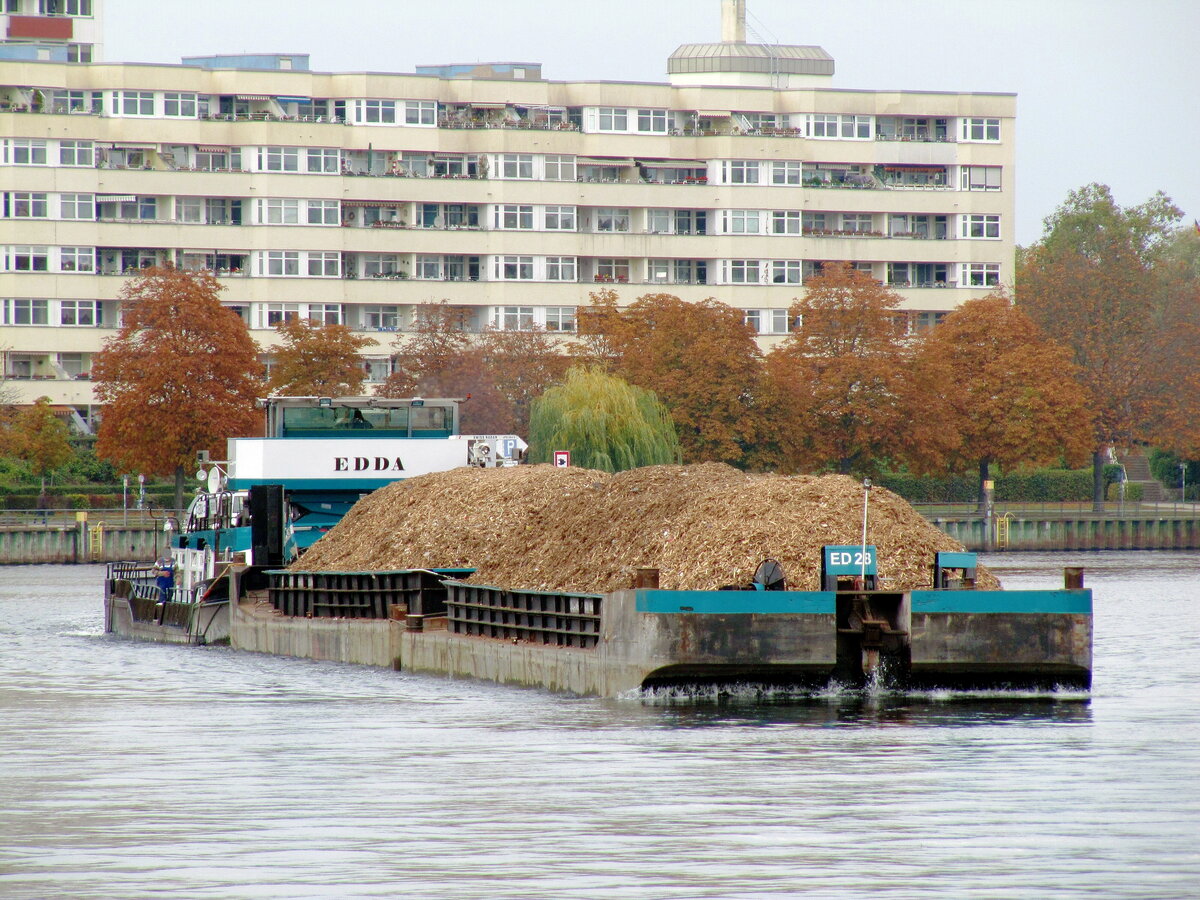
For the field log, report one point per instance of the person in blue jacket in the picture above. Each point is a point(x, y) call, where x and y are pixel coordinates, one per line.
point(164, 578)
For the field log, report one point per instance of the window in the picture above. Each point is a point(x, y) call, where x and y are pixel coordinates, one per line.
point(981, 274)
point(76, 259)
point(560, 218)
point(851, 127)
point(787, 172)
point(981, 178)
point(511, 216)
point(27, 312)
point(420, 112)
point(377, 112)
point(384, 318)
point(280, 212)
point(74, 153)
point(612, 219)
point(560, 268)
point(823, 126)
point(613, 119)
point(189, 210)
point(660, 221)
point(560, 318)
point(208, 161)
point(612, 270)
point(279, 159)
point(560, 168)
point(325, 313)
point(514, 268)
point(785, 271)
point(429, 267)
point(516, 165)
point(858, 223)
point(513, 318)
point(658, 271)
point(376, 265)
point(27, 205)
point(324, 161)
point(325, 265)
point(744, 271)
point(652, 120)
point(64, 7)
point(133, 103)
point(856, 127)
point(814, 222)
point(785, 221)
point(281, 312)
point(742, 221)
point(323, 212)
point(76, 206)
point(282, 262)
point(981, 226)
point(179, 104)
point(378, 368)
point(28, 152)
point(743, 171)
point(981, 129)
point(77, 312)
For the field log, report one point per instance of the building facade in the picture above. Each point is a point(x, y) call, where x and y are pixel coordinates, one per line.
point(356, 198)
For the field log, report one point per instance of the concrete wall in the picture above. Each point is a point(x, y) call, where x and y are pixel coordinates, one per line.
point(74, 543)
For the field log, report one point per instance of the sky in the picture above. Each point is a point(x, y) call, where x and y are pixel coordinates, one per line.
point(1107, 91)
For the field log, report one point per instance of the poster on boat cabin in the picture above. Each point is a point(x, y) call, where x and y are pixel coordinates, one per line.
point(342, 463)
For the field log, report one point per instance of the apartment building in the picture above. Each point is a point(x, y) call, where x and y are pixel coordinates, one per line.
point(358, 197)
point(51, 30)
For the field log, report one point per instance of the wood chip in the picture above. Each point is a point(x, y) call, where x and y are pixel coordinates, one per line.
point(702, 526)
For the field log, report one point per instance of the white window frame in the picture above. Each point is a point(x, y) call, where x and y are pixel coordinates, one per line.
point(980, 227)
point(78, 313)
point(561, 319)
point(324, 264)
point(279, 159)
point(323, 212)
point(981, 178)
point(179, 105)
point(613, 219)
point(279, 263)
point(743, 221)
point(652, 121)
point(513, 268)
point(375, 112)
point(560, 218)
point(787, 271)
point(77, 259)
point(516, 166)
point(787, 172)
point(787, 221)
point(421, 112)
point(279, 211)
point(33, 150)
point(381, 318)
point(75, 153)
point(28, 205)
point(743, 171)
point(559, 167)
point(612, 118)
point(513, 217)
point(561, 268)
point(512, 318)
point(78, 207)
point(142, 104)
point(323, 161)
point(980, 275)
point(743, 271)
point(980, 130)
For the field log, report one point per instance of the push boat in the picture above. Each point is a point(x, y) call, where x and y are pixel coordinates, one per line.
point(274, 497)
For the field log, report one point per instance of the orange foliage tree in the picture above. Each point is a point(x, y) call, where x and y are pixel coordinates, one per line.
point(1092, 283)
point(1011, 394)
point(181, 375)
point(317, 360)
point(39, 437)
point(700, 359)
point(839, 380)
point(522, 366)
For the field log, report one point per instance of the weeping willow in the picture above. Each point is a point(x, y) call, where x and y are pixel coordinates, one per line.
point(606, 423)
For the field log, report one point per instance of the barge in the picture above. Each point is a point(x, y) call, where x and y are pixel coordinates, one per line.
point(608, 644)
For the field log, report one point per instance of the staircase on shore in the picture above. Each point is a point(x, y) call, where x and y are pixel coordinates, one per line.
point(1137, 471)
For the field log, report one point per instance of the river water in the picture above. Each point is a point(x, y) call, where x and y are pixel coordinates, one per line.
point(137, 770)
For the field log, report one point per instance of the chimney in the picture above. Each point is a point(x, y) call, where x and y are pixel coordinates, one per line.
point(733, 21)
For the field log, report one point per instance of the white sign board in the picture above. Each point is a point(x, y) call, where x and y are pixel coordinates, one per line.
point(349, 460)
point(562, 459)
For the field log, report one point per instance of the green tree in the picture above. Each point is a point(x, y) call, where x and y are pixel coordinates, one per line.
point(1093, 283)
point(317, 360)
point(839, 379)
point(181, 375)
point(604, 422)
point(1012, 395)
point(699, 358)
point(40, 438)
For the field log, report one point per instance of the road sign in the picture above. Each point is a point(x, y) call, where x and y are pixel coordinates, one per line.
point(562, 459)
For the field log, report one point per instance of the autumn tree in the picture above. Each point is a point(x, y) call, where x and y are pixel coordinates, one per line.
point(522, 365)
point(38, 437)
point(1092, 283)
point(181, 375)
point(317, 360)
point(441, 360)
point(604, 422)
point(699, 358)
point(839, 379)
point(1012, 395)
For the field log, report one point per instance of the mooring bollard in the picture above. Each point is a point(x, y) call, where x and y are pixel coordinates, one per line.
point(1073, 578)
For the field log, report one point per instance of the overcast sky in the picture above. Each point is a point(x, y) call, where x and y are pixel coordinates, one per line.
point(1108, 90)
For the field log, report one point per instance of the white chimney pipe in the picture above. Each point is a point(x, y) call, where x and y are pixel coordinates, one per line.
point(733, 21)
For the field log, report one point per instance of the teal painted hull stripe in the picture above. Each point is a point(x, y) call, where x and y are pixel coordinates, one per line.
point(315, 484)
point(1047, 602)
point(825, 602)
point(735, 602)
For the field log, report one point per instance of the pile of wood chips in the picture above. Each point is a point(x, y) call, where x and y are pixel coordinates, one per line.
point(702, 526)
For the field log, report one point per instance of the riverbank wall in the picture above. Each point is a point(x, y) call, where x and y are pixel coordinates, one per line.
point(78, 542)
point(98, 542)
